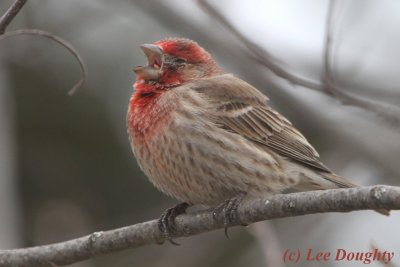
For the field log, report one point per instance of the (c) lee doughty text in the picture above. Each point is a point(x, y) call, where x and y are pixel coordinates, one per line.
point(338, 255)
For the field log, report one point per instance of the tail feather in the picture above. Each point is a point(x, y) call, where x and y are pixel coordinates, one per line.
point(340, 182)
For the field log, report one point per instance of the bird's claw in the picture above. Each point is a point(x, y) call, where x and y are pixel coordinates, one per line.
point(229, 209)
point(166, 222)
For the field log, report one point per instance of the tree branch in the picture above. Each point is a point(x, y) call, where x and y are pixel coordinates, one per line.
point(327, 78)
point(10, 14)
point(60, 41)
point(141, 234)
point(390, 113)
point(257, 53)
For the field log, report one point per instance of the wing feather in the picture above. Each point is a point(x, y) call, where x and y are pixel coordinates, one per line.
point(238, 107)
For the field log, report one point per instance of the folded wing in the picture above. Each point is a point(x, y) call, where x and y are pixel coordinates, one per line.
point(238, 107)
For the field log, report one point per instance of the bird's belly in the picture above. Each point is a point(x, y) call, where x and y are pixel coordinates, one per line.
point(200, 168)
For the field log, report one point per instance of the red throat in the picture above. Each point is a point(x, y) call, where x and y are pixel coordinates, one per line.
point(147, 112)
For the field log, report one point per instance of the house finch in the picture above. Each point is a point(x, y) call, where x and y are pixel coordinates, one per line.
point(207, 137)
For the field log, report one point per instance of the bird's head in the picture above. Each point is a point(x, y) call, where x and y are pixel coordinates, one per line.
point(175, 61)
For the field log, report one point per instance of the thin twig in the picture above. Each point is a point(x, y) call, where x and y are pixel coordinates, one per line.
point(10, 14)
point(257, 53)
point(62, 42)
point(327, 74)
point(390, 113)
point(141, 234)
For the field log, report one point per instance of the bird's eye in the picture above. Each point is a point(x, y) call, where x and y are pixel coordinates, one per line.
point(180, 61)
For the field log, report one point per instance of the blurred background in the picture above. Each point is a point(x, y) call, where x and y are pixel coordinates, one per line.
point(66, 167)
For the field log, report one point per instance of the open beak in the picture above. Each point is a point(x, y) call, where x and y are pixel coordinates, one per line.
point(154, 56)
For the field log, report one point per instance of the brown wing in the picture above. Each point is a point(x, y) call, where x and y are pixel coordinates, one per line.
point(238, 107)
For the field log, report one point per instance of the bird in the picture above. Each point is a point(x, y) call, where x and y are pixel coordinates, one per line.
point(205, 136)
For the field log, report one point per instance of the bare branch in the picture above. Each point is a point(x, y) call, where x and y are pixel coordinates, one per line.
point(390, 113)
point(257, 53)
point(328, 76)
point(62, 42)
point(141, 234)
point(10, 14)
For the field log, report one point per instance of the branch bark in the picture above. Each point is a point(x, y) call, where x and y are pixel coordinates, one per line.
point(10, 14)
point(146, 233)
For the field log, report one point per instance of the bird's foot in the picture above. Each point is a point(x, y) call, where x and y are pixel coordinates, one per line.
point(229, 209)
point(166, 222)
